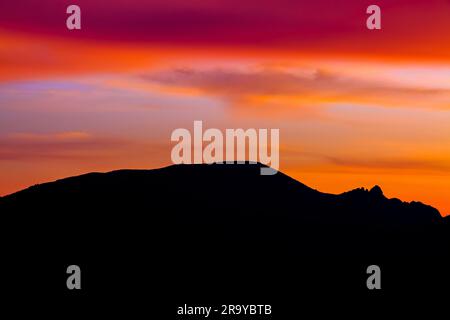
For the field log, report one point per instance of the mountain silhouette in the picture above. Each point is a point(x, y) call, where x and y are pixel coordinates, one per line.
point(231, 197)
point(215, 188)
point(189, 224)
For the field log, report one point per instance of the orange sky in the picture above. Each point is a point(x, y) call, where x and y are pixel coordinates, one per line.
point(354, 107)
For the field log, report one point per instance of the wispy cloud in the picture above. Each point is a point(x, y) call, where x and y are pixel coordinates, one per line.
point(411, 164)
point(298, 87)
point(71, 145)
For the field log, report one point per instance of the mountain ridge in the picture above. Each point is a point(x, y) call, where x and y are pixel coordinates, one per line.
point(375, 190)
point(125, 180)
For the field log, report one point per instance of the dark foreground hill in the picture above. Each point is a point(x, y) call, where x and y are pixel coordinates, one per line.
point(219, 231)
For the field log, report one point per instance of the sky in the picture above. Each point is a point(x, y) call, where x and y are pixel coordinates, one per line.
point(355, 107)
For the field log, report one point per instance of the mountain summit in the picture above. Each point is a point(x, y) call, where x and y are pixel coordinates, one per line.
point(376, 191)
